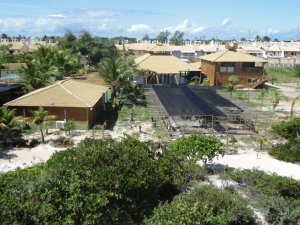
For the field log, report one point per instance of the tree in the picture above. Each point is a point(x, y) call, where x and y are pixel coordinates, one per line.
point(163, 36)
point(232, 85)
point(266, 38)
point(117, 69)
point(233, 79)
point(33, 78)
point(293, 105)
point(263, 92)
point(196, 147)
point(69, 126)
point(7, 120)
point(177, 38)
point(275, 98)
point(146, 37)
point(258, 38)
point(42, 119)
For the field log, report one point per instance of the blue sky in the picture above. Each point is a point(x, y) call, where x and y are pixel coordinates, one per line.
point(196, 18)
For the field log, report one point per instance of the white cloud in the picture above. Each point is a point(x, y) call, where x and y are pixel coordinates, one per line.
point(271, 31)
point(199, 29)
point(57, 15)
point(226, 21)
point(138, 28)
point(15, 24)
point(186, 27)
point(95, 20)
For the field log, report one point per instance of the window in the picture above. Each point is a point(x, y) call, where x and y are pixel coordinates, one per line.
point(249, 64)
point(227, 67)
point(252, 81)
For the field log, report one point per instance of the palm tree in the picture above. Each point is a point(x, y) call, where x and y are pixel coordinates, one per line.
point(67, 64)
point(275, 98)
point(33, 78)
point(263, 92)
point(41, 118)
point(116, 69)
point(7, 120)
point(293, 104)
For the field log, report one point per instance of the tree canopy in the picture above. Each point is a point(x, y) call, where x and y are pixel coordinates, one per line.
point(163, 36)
point(177, 38)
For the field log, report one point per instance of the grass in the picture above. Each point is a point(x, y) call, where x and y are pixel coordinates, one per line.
point(140, 113)
point(283, 75)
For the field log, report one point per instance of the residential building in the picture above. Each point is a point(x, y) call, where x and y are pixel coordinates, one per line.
point(219, 66)
point(69, 99)
point(158, 66)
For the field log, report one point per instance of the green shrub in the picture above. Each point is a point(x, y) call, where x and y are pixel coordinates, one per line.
point(271, 185)
point(206, 205)
point(284, 211)
point(196, 147)
point(289, 129)
point(289, 152)
point(97, 182)
point(281, 195)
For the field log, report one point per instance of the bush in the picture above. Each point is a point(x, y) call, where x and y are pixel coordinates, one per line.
point(289, 129)
point(284, 211)
point(206, 205)
point(289, 152)
point(271, 185)
point(281, 194)
point(97, 182)
point(196, 147)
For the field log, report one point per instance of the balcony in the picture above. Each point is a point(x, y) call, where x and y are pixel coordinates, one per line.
point(252, 69)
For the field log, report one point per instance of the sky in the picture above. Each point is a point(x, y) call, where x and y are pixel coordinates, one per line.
point(223, 19)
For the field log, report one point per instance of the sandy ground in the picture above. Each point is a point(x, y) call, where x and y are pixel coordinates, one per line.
point(246, 158)
point(23, 157)
point(251, 159)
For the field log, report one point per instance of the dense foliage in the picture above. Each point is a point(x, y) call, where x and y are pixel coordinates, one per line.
point(289, 152)
point(92, 48)
point(281, 194)
point(204, 206)
point(196, 147)
point(98, 182)
point(289, 129)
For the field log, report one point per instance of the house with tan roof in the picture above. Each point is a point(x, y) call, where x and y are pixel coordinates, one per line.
point(219, 66)
point(138, 49)
point(18, 47)
point(158, 66)
point(69, 99)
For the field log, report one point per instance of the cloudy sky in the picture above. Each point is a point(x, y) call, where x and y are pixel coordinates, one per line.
point(134, 18)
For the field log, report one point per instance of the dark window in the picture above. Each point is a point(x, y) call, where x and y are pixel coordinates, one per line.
point(249, 64)
point(227, 67)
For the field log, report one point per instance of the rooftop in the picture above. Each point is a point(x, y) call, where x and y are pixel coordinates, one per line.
point(163, 64)
point(66, 93)
point(230, 56)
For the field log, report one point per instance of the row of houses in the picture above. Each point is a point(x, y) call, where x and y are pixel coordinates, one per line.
point(271, 50)
point(84, 101)
point(159, 66)
point(24, 46)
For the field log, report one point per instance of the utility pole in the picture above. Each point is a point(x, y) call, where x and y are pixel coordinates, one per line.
point(298, 34)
